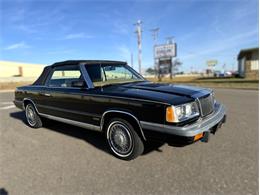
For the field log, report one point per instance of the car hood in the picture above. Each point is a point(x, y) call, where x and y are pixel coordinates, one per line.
point(182, 90)
point(163, 92)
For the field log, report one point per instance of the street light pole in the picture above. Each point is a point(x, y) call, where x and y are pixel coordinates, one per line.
point(170, 40)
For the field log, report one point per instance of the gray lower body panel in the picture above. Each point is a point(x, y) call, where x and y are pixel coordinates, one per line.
point(72, 122)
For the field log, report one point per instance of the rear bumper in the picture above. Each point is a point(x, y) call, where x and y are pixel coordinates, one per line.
point(207, 124)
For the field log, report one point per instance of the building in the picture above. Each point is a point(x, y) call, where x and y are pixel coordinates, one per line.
point(248, 63)
point(13, 70)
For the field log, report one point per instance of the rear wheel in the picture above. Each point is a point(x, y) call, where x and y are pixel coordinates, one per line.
point(123, 140)
point(33, 119)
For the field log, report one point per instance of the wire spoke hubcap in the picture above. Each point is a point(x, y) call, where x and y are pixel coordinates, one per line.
point(120, 139)
point(30, 115)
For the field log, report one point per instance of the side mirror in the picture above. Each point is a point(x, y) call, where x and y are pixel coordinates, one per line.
point(79, 84)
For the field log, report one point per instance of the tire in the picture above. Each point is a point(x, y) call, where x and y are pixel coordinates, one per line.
point(32, 117)
point(123, 140)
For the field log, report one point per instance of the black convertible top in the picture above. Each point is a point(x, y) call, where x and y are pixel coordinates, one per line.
point(42, 78)
point(87, 62)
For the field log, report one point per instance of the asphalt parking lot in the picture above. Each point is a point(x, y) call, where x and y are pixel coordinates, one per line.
point(62, 159)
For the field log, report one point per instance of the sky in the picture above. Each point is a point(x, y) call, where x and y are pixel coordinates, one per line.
point(44, 32)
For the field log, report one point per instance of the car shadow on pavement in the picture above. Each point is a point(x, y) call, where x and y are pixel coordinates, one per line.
point(3, 191)
point(19, 115)
point(92, 137)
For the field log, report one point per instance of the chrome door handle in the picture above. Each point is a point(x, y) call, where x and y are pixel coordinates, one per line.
point(46, 94)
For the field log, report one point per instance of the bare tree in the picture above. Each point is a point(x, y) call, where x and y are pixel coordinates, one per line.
point(174, 67)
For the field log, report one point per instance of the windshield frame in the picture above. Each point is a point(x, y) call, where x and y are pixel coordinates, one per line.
point(140, 78)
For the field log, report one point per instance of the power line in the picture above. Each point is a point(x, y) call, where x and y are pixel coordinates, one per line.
point(155, 32)
point(132, 60)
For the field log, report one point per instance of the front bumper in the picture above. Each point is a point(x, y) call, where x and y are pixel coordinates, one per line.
point(18, 104)
point(201, 126)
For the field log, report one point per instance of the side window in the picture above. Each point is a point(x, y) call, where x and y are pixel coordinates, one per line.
point(96, 74)
point(117, 73)
point(64, 76)
point(109, 74)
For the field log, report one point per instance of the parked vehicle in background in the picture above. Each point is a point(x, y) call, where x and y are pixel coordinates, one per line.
point(218, 74)
point(111, 97)
point(235, 74)
point(227, 74)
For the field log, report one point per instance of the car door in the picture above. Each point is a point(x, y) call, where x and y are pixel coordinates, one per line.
point(65, 101)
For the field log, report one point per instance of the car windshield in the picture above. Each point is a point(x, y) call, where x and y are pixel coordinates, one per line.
point(102, 75)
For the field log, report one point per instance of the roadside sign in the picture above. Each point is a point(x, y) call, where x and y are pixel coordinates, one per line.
point(165, 50)
point(212, 62)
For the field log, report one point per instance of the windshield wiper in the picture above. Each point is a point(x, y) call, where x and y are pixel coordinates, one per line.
point(121, 83)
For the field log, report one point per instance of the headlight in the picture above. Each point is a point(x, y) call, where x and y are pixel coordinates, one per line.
point(181, 112)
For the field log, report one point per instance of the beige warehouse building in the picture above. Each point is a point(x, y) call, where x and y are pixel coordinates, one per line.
point(10, 69)
point(248, 63)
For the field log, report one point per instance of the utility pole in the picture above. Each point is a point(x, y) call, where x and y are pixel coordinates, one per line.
point(170, 40)
point(224, 67)
point(132, 60)
point(155, 33)
point(139, 42)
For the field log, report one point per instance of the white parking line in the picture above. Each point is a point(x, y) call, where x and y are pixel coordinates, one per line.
point(6, 103)
point(7, 107)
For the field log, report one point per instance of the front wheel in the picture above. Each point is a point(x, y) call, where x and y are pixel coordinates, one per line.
point(123, 140)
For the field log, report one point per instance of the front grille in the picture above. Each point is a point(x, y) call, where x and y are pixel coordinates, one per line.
point(206, 105)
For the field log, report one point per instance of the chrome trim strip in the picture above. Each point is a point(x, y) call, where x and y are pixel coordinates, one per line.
point(70, 111)
point(105, 96)
point(18, 101)
point(72, 122)
point(52, 87)
point(199, 104)
point(45, 86)
point(64, 120)
point(200, 126)
point(28, 99)
point(135, 99)
point(118, 97)
point(122, 112)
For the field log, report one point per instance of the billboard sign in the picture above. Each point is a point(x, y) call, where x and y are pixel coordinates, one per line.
point(165, 51)
point(212, 62)
point(165, 65)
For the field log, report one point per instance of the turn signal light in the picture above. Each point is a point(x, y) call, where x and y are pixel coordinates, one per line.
point(170, 114)
point(198, 136)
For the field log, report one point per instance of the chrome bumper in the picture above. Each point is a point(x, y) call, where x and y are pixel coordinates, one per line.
point(202, 125)
point(18, 104)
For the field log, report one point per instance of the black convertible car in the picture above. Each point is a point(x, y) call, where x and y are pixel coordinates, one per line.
point(111, 97)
